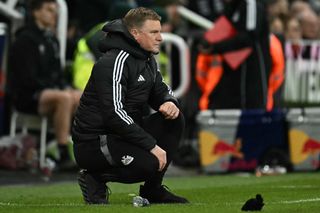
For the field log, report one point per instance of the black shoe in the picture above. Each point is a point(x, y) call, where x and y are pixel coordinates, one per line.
point(94, 189)
point(160, 195)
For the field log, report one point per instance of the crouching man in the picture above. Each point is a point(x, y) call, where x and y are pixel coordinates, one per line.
point(113, 141)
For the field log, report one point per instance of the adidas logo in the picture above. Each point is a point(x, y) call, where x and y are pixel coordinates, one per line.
point(141, 78)
point(126, 159)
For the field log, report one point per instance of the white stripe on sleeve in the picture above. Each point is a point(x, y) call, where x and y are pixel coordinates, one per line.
point(117, 88)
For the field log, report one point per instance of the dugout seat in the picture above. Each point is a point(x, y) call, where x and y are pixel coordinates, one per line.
point(25, 122)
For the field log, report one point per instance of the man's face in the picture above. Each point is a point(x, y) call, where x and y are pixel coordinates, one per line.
point(310, 26)
point(293, 31)
point(46, 16)
point(149, 36)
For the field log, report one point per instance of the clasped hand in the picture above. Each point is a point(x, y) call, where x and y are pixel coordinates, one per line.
point(169, 110)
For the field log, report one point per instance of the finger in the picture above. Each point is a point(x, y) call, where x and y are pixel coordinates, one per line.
point(161, 166)
point(163, 108)
point(176, 114)
point(168, 117)
point(164, 162)
point(172, 115)
point(165, 113)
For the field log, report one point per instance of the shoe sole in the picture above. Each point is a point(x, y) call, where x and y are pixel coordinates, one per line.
point(84, 189)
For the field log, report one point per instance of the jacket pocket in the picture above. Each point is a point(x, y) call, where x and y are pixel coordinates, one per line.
point(105, 149)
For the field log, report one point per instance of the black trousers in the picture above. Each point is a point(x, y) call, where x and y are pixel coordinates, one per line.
point(142, 164)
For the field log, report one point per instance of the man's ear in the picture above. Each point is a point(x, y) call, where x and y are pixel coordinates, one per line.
point(134, 32)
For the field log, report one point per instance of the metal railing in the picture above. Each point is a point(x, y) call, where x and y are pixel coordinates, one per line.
point(62, 27)
point(7, 8)
point(195, 18)
point(184, 57)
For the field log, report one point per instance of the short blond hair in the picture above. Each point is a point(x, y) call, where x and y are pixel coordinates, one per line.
point(137, 16)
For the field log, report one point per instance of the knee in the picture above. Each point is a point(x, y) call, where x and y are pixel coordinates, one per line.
point(180, 122)
point(176, 124)
point(76, 95)
point(149, 168)
point(65, 99)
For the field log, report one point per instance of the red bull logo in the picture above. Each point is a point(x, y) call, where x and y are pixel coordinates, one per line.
point(223, 148)
point(311, 146)
point(216, 154)
point(212, 148)
point(303, 147)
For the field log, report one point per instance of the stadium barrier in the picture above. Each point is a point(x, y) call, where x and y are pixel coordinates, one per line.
point(242, 140)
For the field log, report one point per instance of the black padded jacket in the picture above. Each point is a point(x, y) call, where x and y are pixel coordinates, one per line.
point(122, 81)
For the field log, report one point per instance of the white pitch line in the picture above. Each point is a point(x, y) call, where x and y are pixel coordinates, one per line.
point(301, 201)
point(198, 204)
point(294, 187)
point(41, 204)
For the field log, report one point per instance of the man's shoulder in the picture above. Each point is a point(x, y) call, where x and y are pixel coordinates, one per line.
point(111, 58)
point(28, 34)
point(115, 54)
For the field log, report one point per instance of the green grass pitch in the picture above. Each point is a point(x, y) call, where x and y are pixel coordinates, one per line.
point(299, 192)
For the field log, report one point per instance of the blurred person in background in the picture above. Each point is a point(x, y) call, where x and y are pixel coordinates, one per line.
point(315, 5)
point(36, 76)
point(278, 11)
point(293, 36)
point(276, 26)
point(178, 26)
point(299, 6)
point(309, 25)
point(277, 8)
point(310, 29)
point(277, 73)
point(87, 50)
point(293, 30)
point(245, 87)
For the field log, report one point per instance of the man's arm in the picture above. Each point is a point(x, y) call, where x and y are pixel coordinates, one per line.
point(160, 94)
point(110, 75)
